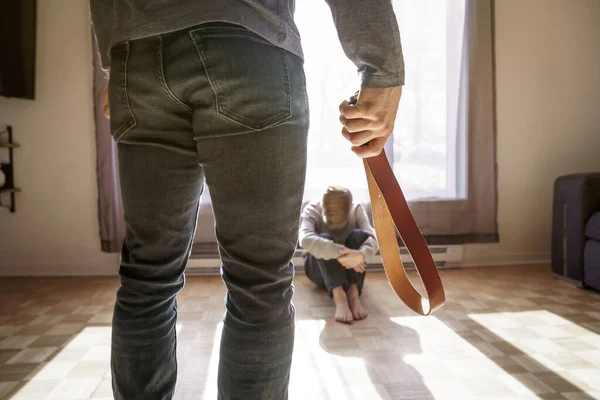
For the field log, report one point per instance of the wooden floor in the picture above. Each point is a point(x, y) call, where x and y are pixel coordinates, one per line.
point(505, 333)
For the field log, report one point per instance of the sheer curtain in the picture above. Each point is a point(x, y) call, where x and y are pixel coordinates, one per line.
point(443, 145)
point(424, 149)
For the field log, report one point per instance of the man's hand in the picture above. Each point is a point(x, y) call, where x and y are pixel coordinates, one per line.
point(369, 123)
point(352, 259)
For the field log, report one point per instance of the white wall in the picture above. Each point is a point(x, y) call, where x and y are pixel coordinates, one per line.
point(55, 228)
point(548, 58)
point(548, 86)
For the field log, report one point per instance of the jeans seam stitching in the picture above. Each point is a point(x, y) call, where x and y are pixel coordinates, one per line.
point(289, 83)
point(211, 79)
point(126, 127)
point(163, 81)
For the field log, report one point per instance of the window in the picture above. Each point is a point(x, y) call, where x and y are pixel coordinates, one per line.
point(428, 147)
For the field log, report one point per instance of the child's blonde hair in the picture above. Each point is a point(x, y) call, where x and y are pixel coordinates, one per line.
point(337, 202)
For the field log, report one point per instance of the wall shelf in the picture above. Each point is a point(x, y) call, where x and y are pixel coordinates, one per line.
point(13, 190)
point(7, 169)
point(13, 145)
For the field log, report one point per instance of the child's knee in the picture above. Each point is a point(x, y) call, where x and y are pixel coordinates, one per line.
point(356, 238)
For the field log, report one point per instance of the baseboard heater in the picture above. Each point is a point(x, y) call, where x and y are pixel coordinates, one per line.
point(205, 260)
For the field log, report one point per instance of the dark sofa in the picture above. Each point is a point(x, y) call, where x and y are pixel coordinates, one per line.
point(576, 229)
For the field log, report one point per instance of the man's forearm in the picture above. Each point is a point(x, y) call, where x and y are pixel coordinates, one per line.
point(368, 31)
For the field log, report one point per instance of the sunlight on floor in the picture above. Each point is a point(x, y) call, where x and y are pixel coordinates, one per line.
point(544, 337)
point(87, 354)
point(312, 370)
point(210, 388)
point(317, 374)
point(453, 368)
point(382, 358)
point(434, 362)
point(68, 374)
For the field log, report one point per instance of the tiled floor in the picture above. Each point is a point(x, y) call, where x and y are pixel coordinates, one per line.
point(505, 333)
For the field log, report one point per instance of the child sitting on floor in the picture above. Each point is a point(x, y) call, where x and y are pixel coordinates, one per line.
point(339, 238)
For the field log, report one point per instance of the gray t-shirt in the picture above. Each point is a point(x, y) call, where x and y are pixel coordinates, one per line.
point(367, 29)
point(312, 224)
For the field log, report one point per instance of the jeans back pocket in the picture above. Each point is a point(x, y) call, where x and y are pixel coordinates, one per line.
point(122, 119)
point(249, 76)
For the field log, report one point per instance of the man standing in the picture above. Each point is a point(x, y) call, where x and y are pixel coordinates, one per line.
point(214, 91)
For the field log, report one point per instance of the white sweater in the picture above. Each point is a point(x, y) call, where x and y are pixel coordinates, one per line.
point(312, 224)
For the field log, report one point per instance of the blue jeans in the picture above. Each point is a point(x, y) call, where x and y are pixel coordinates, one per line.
point(329, 274)
point(214, 103)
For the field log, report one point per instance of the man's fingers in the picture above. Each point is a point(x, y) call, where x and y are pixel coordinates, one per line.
point(365, 110)
point(366, 126)
point(369, 122)
point(347, 110)
point(358, 138)
point(359, 124)
point(371, 149)
point(357, 111)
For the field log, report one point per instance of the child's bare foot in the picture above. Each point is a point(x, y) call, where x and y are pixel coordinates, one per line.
point(343, 313)
point(358, 312)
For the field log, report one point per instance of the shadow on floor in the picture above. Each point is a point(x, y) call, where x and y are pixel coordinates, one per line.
point(383, 347)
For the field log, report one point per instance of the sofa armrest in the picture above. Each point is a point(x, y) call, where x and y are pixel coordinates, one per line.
point(576, 198)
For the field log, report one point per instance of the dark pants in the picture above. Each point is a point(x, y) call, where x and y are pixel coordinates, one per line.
point(220, 104)
point(329, 274)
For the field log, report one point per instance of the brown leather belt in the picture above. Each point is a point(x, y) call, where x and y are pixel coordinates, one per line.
point(390, 213)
